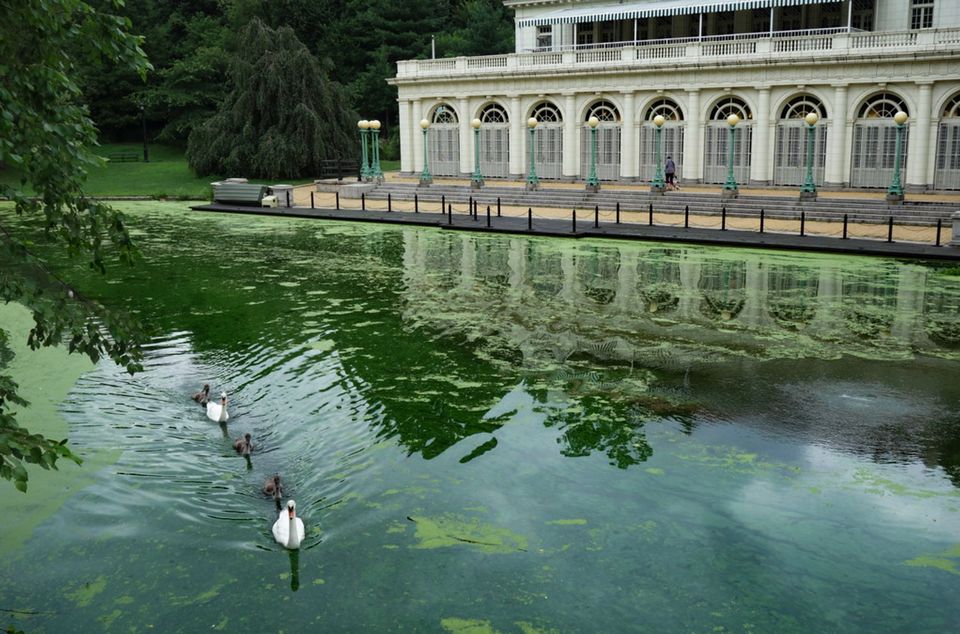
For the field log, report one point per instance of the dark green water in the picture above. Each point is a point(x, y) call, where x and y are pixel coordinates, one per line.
point(511, 435)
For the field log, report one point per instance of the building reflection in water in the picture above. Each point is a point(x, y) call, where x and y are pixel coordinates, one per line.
point(642, 323)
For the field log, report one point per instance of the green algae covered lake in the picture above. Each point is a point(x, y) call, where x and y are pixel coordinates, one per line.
point(497, 434)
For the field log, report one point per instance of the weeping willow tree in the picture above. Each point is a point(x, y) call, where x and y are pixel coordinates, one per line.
point(281, 119)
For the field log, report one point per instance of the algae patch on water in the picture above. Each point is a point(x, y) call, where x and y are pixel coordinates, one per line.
point(455, 530)
point(467, 626)
point(83, 595)
point(946, 560)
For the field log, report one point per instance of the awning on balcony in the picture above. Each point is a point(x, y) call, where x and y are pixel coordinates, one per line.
point(653, 9)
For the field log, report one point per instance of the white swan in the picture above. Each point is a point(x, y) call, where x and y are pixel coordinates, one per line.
point(288, 529)
point(217, 412)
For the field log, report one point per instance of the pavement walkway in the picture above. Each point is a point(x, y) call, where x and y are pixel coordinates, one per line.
point(606, 226)
point(868, 231)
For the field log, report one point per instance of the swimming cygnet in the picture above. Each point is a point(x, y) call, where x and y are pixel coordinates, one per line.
point(274, 488)
point(203, 395)
point(243, 445)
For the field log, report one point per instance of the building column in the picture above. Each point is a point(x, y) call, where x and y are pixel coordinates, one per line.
point(517, 145)
point(571, 150)
point(761, 168)
point(919, 144)
point(466, 143)
point(628, 139)
point(406, 148)
point(836, 157)
point(416, 114)
point(693, 140)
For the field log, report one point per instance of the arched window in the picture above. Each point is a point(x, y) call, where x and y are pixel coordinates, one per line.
point(546, 112)
point(667, 108)
point(946, 174)
point(494, 141)
point(728, 106)
point(494, 113)
point(874, 147)
point(549, 140)
point(799, 107)
point(882, 106)
point(443, 141)
point(671, 138)
point(444, 114)
point(607, 136)
point(790, 146)
point(718, 135)
point(952, 109)
point(605, 111)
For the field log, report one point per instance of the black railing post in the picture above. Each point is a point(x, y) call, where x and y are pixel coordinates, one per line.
point(596, 216)
point(498, 206)
point(416, 204)
point(529, 219)
point(312, 206)
point(338, 200)
point(574, 220)
point(803, 221)
point(723, 218)
point(761, 220)
point(939, 227)
point(470, 206)
point(650, 212)
point(488, 215)
point(443, 202)
point(686, 216)
point(288, 198)
point(389, 201)
point(844, 227)
point(450, 214)
point(363, 201)
point(890, 230)
point(618, 212)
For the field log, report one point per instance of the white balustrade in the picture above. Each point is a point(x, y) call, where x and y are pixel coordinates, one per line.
point(746, 46)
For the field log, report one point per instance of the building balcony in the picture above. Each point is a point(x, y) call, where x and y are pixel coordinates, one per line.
point(746, 48)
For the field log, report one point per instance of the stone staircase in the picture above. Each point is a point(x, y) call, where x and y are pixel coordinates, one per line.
point(774, 207)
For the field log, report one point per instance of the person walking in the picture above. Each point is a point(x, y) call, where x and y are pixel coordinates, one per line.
point(671, 171)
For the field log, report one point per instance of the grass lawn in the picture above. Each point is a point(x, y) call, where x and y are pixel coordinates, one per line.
point(165, 176)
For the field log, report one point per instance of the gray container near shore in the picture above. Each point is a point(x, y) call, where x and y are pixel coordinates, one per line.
point(284, 194)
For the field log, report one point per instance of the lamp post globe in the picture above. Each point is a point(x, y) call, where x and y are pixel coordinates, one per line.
point(659, 185)
point(476, 179)
point(808, 191)
point(895, 191)
point(425, 177)
point(532, 181)
point(730, 185)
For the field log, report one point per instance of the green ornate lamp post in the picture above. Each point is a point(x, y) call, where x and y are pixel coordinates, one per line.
point(895, 192)
point(425, 177)
point(659, 185)
point(593, 183)
point(730, 186)
point(364, 125)
point(532, 181)
point(476, 180)
point(808, 191)
point(375, 172)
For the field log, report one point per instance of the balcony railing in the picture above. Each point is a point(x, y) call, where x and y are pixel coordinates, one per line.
point(743, 47)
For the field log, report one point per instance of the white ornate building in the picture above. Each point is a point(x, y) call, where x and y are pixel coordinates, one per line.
point(853, 62)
